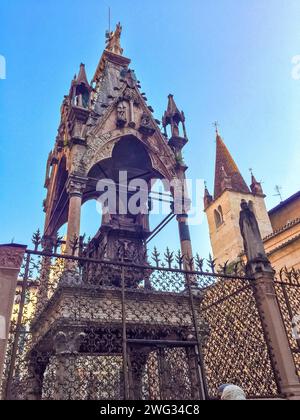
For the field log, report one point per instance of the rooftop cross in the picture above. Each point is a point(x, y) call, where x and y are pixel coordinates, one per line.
point(216, 125)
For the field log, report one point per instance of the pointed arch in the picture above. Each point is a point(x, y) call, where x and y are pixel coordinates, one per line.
point(218, 218)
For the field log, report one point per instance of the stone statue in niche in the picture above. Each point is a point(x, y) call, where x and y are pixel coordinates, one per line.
point(146, 126)
point(121, 115)
point(253, 244)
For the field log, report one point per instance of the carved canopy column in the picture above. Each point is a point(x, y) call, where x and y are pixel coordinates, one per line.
point(182, 205)
point(75, 188)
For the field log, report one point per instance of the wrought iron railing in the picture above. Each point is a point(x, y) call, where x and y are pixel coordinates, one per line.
point(89, 329)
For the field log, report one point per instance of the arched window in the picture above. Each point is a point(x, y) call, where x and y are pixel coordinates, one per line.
point(218, 218)
point(221, 213)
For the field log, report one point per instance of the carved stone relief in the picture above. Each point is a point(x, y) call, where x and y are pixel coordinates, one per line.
point(10, 257)
point(121, 114)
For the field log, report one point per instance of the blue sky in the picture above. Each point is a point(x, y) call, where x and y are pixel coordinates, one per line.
point(225, 60)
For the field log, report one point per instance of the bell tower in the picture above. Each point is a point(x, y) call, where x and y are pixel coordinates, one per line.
point(223, 208)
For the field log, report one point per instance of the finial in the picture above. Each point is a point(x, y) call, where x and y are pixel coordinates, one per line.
point(208, 199)
point(253, 179)
point(256, 187)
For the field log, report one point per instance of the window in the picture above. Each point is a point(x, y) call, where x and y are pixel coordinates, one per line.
point(221, 213)
point(218, 217)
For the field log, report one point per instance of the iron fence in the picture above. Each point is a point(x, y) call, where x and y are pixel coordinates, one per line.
point(89, 329)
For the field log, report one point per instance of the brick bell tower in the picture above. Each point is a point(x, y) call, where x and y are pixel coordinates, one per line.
point(223, 209)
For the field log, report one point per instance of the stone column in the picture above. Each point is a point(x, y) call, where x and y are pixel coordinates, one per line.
point(273, 325)
point(182, 206)
point(34, 383)
point(11, 257)
point(75, 188)
point(185, 240)
point(259, 267)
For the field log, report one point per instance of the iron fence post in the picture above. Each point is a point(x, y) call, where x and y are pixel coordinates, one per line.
point(203, 385)
point(124, 339)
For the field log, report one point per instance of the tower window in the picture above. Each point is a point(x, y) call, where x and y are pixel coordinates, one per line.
point(221, 213)
point(218, 216)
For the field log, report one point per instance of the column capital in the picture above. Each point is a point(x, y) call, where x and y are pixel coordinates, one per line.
point(76, 185)
point(11, 256)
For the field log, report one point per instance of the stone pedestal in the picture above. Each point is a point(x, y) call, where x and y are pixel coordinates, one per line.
point(275, 331)
point(11, 257)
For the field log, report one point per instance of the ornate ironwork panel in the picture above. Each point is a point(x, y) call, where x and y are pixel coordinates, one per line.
point(236, 350)
point(287, 288)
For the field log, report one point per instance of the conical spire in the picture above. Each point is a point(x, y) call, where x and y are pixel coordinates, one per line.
point(172, 112)
point(226, 165)
point(82, 78)
point(80, 91)
point(173, 117)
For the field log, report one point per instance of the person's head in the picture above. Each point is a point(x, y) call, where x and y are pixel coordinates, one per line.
point(221, 389)
point(232, 393)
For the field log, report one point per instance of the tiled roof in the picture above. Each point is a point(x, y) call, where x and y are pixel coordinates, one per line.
point(225, 160)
